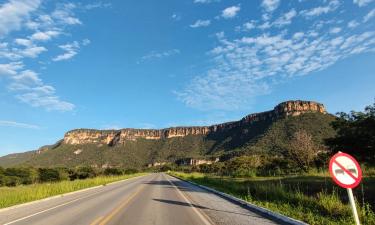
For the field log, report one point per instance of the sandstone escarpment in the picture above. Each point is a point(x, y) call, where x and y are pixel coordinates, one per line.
point(115, 137)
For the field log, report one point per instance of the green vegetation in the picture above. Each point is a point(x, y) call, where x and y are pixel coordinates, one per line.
point(356, 134)
point(313, 199)
point(16, 195)
point(27, 175)
point(264, 138)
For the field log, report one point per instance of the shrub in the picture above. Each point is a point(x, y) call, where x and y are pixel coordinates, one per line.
point(25, 175)
point(130, 171)
point(112, 171)
point(48, 175)
point(12, 181)
point(85, 172)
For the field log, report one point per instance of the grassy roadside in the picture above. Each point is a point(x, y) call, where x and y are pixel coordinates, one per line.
point(10, 196)
point(320, 207)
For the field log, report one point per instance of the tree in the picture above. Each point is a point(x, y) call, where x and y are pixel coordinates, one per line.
point(302, 149)
point(48, 175)
point(355, 134)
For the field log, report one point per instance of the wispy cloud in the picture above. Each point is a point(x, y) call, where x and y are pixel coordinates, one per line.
point(200, 23)
point(44, 36)
point(96, 5)
point(36, 27)
point(330, 7)
point(369, 15)
point(70, 50)
point(353, 24)
point(205, 1)
point(30, 89)
point(14, 13)
point(230, 12)
point(361, 3)
point(270, 5)
point(286, 18)
point(7, 123)
point(64, 14)
point(176, 17)
point(246, 67)
point(159, 55)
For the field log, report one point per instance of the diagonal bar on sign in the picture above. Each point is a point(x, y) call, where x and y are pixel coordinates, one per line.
point(345, 170)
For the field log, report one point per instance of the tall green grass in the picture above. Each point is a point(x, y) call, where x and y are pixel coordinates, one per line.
point(10, 196)
point(322, 207)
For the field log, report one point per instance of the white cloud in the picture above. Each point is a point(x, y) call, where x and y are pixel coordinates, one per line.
point(37, 26)
point(65, 15)
point(32, 51)
point(176, 17)
point(353, 24)
point(96, 5)
point(270, 5)
point(285, 19)
point(205, 1)
point(298, 35)
point(249, 25)
point(10, 68)
point(332, 6)
point(230, 12)
point(14, 13)
point(369, 15)
point(200, 23)
point(23, 42)
point(246, 26)
point(158, 55)
point(49, 102)
point(7, 123)
point(265, 25)
point(86, 42)
point(31, 90)
point(250, 66)
point(361, 3)
point(27, 77)
point(71, 49)
point(335, 30)
point(44, 36)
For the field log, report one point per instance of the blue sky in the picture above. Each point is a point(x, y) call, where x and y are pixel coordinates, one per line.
point(154, 64)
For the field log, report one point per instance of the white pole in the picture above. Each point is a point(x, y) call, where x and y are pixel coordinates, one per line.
point(352, 204)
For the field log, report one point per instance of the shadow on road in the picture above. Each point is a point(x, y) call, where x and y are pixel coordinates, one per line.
point(180, 184)
point(200, 207)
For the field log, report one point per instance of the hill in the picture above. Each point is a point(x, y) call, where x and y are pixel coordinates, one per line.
point(267, 132)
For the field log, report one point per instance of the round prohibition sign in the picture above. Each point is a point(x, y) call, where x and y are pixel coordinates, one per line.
point(345, 170)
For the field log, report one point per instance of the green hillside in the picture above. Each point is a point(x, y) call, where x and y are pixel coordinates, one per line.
point(266, 137)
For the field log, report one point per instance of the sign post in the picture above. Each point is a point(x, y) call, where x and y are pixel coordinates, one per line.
point(347, 173)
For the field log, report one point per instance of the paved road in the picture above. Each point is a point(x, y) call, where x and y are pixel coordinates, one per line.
point(153, 199)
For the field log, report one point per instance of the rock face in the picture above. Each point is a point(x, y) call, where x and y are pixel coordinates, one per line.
point(115, 137)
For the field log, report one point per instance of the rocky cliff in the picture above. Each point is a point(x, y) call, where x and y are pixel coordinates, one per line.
point(115, 137)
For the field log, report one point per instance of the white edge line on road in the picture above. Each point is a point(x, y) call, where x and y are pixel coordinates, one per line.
point(66, 203)
point(268, 212)
point(205, 221)
point(46, 210)
point(65, 194)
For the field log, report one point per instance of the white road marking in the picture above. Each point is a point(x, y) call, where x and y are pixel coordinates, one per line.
point(46, 210)
point(203, 218)
point(57, 206)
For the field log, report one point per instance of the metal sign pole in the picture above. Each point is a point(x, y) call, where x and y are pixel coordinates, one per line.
point(352, 204)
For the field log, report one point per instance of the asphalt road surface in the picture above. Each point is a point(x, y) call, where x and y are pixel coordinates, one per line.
point(153, 199)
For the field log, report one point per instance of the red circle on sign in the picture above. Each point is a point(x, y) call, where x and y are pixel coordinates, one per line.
point(357, 179)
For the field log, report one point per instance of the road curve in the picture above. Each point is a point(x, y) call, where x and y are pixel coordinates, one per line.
point(153, 199)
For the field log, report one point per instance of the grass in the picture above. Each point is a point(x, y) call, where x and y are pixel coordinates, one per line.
point(10, 196)
point(309, 198)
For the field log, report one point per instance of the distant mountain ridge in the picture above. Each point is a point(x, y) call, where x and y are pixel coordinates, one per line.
point(267, 132)
point(114, 137)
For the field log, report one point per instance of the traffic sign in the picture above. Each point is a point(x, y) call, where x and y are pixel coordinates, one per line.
point(347, 173)
point(345, 170)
